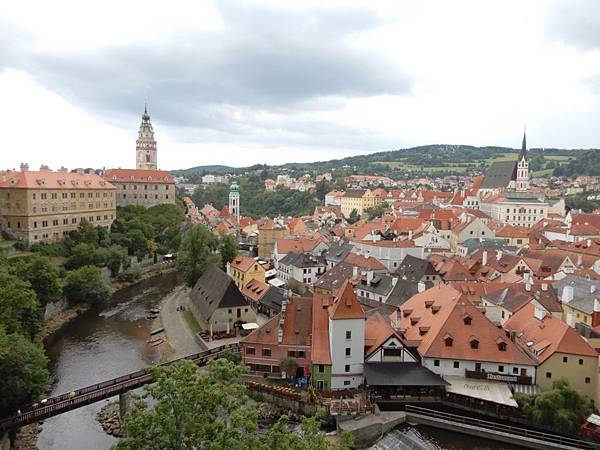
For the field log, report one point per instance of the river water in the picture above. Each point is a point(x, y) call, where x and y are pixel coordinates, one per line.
point(99, 345)
point(111, 341)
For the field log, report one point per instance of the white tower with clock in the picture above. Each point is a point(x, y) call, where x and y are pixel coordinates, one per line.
point(145, 146)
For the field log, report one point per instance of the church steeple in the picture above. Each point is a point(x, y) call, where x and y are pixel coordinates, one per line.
point(524, 145)
point(145, 146)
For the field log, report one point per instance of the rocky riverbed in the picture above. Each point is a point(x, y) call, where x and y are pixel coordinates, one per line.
point(110, 419)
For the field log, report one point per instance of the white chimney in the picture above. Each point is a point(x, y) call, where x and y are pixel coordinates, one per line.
point(484, 258)
point(596, 305)
point(528, 287)
point(579, 260)
point(589, 242)
point(571, 319)
point(592, 288)
point(354, 272)
point(544, 287)
point(498, 255)
point(24, 167)
point(394, 281)
point(369, 277)
point(421, 287)
point(567, 294)
point(539, 313)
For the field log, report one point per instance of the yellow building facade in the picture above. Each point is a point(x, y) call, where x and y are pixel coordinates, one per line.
point(45, 205)
point(356, 199)
point(243, 269)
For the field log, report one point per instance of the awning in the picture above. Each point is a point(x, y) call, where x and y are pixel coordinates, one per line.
point(271, 273)
point(488, 391)
point(594, 419)
point(249, 326)
point(531, 389)
point(276, 282)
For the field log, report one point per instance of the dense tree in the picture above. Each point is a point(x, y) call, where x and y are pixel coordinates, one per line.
point(86, 233)
point(24, 374)
point(354, 216)
point(289, 365)
point(43, 276)
point(82, 254)
point(212, 411)
point(138, 243)
point(20, 311)
point(116, 259)
point(197, 251)
point(228, 248)
point(561, 409)
point(294, 286)
point(85, 285)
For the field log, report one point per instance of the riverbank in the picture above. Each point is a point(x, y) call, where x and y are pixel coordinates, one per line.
point(154, 271)
point(61, 319)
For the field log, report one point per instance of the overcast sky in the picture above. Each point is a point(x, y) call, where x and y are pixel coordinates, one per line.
point(237, 83)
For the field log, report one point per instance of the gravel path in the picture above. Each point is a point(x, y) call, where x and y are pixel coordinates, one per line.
point(179, 335)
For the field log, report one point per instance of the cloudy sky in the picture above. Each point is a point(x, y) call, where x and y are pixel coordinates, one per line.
point(236, 82)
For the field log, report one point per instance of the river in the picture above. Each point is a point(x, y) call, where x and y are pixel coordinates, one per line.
point(101, 344)
point(111, 341)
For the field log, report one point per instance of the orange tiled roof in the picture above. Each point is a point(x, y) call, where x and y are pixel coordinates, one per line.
point(243, 263)
point(559, 337)
point(255, 290)
point(320, 329)
point(296, 245)
point(346, 304)
point(377, 332)
point(139, 175)
point(436, 314)
point(364, 262)
point(46, 179)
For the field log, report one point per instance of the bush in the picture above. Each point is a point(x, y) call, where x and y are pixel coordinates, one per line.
point(20, 246)
point(85, 285)
point(130, 275)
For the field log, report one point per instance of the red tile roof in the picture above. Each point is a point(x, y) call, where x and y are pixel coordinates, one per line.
point(346, 304)
point(139, 175)
point(46, 179)
point(365, 262)
point(320, 329)
point(243, 263)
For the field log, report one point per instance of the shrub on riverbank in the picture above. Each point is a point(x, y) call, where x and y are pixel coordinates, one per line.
point(86, 285)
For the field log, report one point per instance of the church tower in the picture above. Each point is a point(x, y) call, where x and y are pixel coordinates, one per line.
point(523, 167)
point(145, 146)
point(234, 200)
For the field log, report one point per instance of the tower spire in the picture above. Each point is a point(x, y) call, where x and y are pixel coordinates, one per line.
point(524, 144)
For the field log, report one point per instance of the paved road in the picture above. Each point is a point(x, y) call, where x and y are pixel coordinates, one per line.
point(178, 333)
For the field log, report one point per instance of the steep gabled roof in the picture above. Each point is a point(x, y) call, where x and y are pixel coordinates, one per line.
point(320, 329)
point(213, 290)
point(499, 175)
point(346, 304)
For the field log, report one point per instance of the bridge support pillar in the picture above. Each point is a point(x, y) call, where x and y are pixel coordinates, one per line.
point(124, 404)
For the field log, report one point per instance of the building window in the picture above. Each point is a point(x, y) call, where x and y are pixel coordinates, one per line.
point(266, 352)
point(347, 383)
point(515, 370)
point(436, 363)
point(448, 341)
point(474, 343)
point(321, 368)
point(500, 368)
point(348, 334)
point(348, 352)
point(291, 353)
point(301, 354)
point(565, 359)
point(581, 362)
point(587, 380)
point(347, 368)
point(456, 364)
point(250, 351)
point(392, 352)
point(548, 374)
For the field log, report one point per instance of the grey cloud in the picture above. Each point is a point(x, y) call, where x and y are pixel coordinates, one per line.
point(575, 22)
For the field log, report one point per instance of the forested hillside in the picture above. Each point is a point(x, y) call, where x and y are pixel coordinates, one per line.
point(587, 163)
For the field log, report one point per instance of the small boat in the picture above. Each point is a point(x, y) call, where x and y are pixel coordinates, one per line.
point(158, 330)
point(152, 341)
point(155, 311)
point(157, 343)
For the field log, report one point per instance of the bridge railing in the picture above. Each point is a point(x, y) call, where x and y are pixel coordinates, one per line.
point(509, 429)
point(100, 391)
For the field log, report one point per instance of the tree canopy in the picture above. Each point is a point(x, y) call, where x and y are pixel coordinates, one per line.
point(197, 252)
point(20, 310)
point(211, 411)
point(86, 285)
point(562, 409)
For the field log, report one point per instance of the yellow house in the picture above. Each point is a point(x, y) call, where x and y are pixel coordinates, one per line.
point(243, 269)
point(268, 232)
point(356, 199)
point(560, 351)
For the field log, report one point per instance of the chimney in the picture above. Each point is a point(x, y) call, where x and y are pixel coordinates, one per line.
point(421, 287)
point(498, 255)
point(484, 258)
point(528, 286)
point(579, 260)
point(567, 294)
point(354, 272)
point(596, 313)
point(592, 288)
point(544, 287)
point(394, 281)
point(410, 234)
point(539, 313)
point(24, 167)
point(571, 319)
point(589, 242)
point(369, 277)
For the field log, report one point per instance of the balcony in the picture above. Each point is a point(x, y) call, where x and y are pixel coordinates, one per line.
point(498, 376)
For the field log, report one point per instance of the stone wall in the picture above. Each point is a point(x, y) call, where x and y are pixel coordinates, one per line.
point(299, 407)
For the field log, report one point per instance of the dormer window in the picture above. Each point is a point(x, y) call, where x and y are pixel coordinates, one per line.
point(501, 345)
point(448, 341)
point(406, 312)
point(467, 319)
point(435, 309)
point(428, 303)
point(423, 330)
point(414, 320)
point(474, 343)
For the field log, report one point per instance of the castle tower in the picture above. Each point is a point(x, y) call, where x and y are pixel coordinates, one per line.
point(234, 200)
point(145, 146)
point(523, 167)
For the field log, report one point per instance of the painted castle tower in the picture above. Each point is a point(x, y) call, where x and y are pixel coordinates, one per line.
point(234, 200)
point(145, 146)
